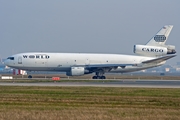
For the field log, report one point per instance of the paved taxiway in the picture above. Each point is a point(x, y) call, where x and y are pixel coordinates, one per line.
point(118, 83)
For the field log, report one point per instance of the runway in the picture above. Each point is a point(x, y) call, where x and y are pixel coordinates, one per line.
point(117, 83)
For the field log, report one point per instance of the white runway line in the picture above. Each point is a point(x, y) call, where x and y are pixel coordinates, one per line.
point(137, 84)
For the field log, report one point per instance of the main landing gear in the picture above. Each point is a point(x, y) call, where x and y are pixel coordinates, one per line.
point(99, 76)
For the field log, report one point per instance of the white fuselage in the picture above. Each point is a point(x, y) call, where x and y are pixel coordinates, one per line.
point(63, 62)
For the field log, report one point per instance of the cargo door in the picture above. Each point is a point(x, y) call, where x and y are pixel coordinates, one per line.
point(87, 62)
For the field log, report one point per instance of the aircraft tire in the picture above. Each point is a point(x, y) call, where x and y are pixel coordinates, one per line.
point(30, 76)
point(99, 77)
point(103, 77)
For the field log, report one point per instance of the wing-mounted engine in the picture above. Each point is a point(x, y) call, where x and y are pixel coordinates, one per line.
point(147, 50)
point(77, 71)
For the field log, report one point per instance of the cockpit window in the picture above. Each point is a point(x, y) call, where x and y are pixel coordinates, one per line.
point(11, 58)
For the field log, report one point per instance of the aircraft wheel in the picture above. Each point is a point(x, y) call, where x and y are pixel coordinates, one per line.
point(98, 77)
point(30, 76)
point(103, 77)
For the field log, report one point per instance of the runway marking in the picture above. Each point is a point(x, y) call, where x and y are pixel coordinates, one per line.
point(128, 83)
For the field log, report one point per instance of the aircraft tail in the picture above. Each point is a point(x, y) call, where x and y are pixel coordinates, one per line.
point(161, 37)
point(156, 45)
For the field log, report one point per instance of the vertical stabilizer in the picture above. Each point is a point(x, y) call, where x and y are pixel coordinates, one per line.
point(161, 37)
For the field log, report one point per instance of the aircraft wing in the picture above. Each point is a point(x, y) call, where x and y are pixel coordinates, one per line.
point(156, 60)
point(160, 59)
point(104, 65)
point(108, 65)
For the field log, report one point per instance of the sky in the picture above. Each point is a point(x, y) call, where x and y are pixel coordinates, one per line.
point(85, 26)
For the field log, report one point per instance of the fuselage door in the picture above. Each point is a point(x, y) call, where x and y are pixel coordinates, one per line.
point(87, 62)
point(19, 60)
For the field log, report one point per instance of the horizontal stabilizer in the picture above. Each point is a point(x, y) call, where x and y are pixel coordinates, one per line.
point(160, 59)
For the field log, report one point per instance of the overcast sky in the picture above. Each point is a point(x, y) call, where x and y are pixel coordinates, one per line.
point(85, 26)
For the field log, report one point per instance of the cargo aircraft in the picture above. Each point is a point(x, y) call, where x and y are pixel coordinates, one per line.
point(154, 53)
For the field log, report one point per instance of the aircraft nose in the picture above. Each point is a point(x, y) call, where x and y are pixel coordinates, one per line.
point(6, 62)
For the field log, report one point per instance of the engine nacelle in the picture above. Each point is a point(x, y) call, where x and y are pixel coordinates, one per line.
point(76, 71)
point(171, 49)
point(153, 50)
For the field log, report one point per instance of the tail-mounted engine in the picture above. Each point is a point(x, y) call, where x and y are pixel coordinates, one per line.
point(146, 50)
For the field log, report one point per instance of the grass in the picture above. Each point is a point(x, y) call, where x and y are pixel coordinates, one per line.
point(72, 103)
